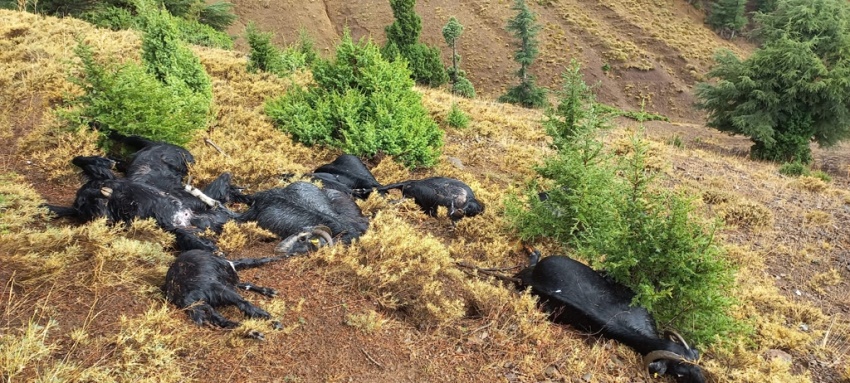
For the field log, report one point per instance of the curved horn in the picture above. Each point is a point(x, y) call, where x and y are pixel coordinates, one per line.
point(675, 336)
point(661, 354)
point(324, 232)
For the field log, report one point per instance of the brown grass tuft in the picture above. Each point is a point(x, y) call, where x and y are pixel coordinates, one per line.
point(746, 214)
point(812, 184)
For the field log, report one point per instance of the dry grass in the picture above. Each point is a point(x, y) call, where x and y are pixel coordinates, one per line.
point(405, 264)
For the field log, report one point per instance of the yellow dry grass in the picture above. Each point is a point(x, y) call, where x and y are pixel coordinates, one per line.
point(405, 263)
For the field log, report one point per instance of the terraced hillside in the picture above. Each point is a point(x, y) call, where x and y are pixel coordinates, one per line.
point(82, 302)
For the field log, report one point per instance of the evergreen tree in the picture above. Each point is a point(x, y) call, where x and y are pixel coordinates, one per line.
point(727, 17)
point(794, 89)
point(363, 104)
point(525, 29)
point(460, 84)
point(403, 40)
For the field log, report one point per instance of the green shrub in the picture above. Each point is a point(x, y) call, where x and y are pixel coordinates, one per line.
point(794, 169)
point(463, 87)
point(822, 176)
point(609, 211)
point(362, 104)
point(457, 118)
point(128, 99)
point(526, 94)
point(168, 59)
point(424, 62)
point(111, 17)
point(194, 32)
point(218, 16)
point(264, 56)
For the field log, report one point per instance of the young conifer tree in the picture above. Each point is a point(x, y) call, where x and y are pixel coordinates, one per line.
point(525, 28)
point(403, 41)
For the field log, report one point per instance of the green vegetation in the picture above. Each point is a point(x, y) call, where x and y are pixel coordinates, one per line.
point(457, 118)
point(403, 41)
point(169, 60)
point(797, 169)
point(609, 210)
point(197, 22)
point(362, 104)
point(264, 56)
point(524, 28)
point(577, 104)
point(727, 17)
point(166, 99)
point(794, 169)
point(791, 91)
point(460, 84)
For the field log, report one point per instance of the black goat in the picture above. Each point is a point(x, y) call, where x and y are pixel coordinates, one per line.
point(89, 202)
point(289, 210)
point(432, 192)
point(199, 281)
point(347, 174)
point(125, 199)
point(573, 293)
point(155, 163)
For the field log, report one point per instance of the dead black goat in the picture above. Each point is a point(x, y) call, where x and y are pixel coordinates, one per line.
point(302, 205)
point(574, 294)
point(429, 193)
point(199, 281)
point(126, 199)
point(347, 174)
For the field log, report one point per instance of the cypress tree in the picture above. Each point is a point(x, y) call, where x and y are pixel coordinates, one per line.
point(525, 28)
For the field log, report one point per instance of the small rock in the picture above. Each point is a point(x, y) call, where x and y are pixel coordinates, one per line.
point(587, 377)
point(511, 376)
point(776, 353)
point(798, 292)
point(456, 162)
point(804, 327)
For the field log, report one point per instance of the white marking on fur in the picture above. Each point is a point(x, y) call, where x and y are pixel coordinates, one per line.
point(232, 266)
point(201, 196)
point(183, 218)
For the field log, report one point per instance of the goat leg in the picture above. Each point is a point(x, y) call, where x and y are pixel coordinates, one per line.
point(267, 291)
point(201, 196)
point(247, 263)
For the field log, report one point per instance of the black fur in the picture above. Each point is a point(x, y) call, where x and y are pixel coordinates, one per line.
point(289, 210)
point(156, 163)
point(347, 174)
point(430, 193)
point(573, 293)
point(199, 282)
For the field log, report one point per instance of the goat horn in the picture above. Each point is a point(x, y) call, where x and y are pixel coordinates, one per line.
point(106, 191)
point(324, 232)
point(661, 354)
point(677, 337)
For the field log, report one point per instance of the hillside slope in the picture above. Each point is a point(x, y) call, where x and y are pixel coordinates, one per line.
point(656, 50)
point(82, 302)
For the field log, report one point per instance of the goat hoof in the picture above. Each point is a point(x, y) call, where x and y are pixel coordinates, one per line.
point(276, 325)
point(254, 334)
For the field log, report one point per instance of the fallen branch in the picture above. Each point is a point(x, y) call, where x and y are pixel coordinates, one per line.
point(466, 267)
point(371, 359)
point(216, 147)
